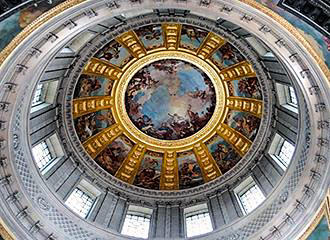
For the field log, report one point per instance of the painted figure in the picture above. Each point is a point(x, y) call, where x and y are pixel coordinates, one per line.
point(192, 37)
point(246, 87)
point(150, 36)
point(114, 155)
point(90, 124)
point(245, 123)
point(226, 56)
point(190, 174)
point(148, 175)
point(88, 86)
point(114, 53)
point(223, 153)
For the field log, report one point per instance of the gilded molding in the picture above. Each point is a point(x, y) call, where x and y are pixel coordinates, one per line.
point(4, 233)
point(253, 106)
point(122, 118)
point(133, 44)
point(248, 227)
point(71, 3)
point(169, 176)
point(82, 106)
point(239, 142)
point(97, 143)
point(172, 35)
point(211, 43)
point(103, 68)
point(131, 164)
point(237, 71)
point(208, 165)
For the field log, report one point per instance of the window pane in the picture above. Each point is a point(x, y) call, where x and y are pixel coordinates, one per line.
point(38, 98)
point(198, 224)
point(293, 98)
point(136, 226)
point(251, 198)
point(286, 153)
point(42, 155)
point(80, 202)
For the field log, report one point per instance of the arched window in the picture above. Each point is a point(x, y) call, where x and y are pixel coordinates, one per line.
point(47, 152)
point(197, 219)
point(82, 198)
point(249, 195)
point(137, 222)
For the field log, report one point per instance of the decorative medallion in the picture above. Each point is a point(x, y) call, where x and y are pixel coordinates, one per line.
point(167, 106)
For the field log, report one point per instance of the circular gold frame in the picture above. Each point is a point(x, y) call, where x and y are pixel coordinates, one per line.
point(122, 118)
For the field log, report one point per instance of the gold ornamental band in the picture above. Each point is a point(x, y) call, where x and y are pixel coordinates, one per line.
point(122, 118)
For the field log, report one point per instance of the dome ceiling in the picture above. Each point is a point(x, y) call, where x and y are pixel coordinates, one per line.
point(167, 106)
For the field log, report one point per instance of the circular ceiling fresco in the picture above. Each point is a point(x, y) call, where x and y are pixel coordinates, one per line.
point(167, 106)
point(170, 99)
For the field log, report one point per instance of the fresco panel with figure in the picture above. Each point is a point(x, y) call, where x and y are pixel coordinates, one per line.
point(114, 53)
point(115, 153)
point(192, 37)
point(246, 87)
point(223, 153)
point(88, 86)
point(226, 56)
point(244, 123)
point(151, 36)
point(90, 124)
point(190, 174)
point(148, 175)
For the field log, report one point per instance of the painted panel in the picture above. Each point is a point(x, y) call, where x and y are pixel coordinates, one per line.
point(148, 175)
point(244, 123)
point(151, 36)
point(245, 87)
point(223, 153)
point(90, 124)
point(115, 153)
point(322, 231)
point(192, 37)
point(226, 56)
point(114, 53)
point(14, 24)
point(190, 174)
point(320, 42)
point(88, 86)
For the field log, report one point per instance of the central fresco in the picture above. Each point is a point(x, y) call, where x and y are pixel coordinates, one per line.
point(167, 106)
point(170, 99)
